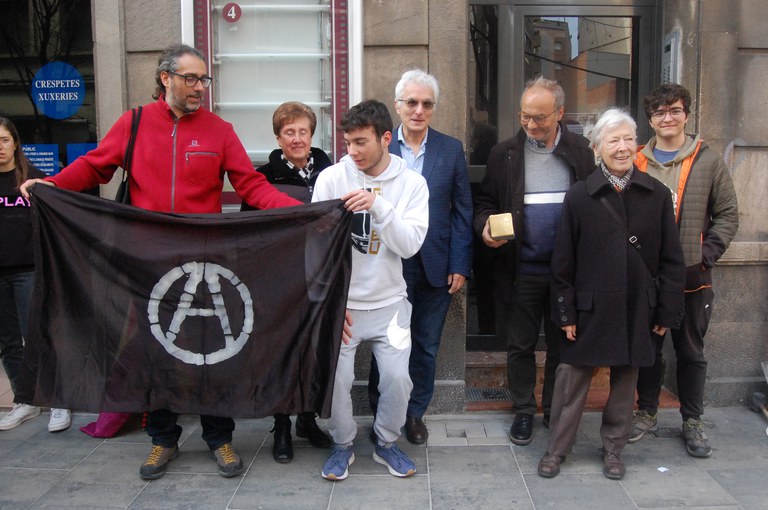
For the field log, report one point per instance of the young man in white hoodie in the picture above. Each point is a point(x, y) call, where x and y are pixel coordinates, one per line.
point(390, 203)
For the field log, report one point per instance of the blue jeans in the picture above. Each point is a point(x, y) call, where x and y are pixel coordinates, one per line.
point(15, 294)
point(430, 306)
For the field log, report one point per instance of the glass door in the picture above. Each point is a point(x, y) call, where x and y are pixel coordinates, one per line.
point(602, 55)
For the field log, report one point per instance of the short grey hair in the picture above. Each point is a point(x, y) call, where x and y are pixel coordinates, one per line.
point(417, 77)
point(609, 120)
point(550, 85)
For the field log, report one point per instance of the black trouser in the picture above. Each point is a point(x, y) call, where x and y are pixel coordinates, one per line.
point(522, 326)
point(688, 342)
point(162, 428)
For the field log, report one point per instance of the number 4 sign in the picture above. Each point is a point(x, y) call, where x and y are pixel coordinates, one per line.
point(232, 12)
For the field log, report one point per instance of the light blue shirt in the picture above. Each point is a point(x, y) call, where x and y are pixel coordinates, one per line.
point(414, 162)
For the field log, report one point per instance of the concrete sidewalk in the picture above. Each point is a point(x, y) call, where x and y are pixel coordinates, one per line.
point(468, 463)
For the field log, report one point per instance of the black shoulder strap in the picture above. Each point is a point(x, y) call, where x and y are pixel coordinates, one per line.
point(135, 118)
point(632, 239)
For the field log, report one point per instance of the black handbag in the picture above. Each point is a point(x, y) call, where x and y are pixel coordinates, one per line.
point(123, 194)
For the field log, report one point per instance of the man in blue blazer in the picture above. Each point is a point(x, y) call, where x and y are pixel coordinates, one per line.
point(443, 264)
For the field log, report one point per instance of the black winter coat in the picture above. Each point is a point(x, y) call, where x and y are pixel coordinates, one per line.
point(503, 190)
point(606, 286)
point(287, 180)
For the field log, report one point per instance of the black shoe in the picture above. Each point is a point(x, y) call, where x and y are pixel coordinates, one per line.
point(373, 437)
point(306, 426)
point(415, 430)
point(521, 432)
point(282, 449)
point(545, 421)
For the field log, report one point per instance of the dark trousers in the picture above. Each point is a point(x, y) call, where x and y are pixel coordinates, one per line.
point(162, 428)
point(521, 327)
point(430, 307)
point(570, 396)
point(15, 294)
point(688, 341)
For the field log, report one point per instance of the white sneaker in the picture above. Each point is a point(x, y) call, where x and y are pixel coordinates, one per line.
point(60, 420)
point(18, 415)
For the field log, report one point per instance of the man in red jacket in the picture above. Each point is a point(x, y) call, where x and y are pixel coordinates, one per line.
point(180, 157)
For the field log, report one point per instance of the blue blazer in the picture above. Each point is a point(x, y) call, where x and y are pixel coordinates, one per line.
point(447, 249)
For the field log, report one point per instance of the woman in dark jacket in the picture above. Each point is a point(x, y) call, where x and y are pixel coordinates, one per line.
point(16, 279)
point(618, 279)
point(293, 169)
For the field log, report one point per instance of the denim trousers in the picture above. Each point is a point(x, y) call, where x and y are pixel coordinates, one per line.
point(15, 294)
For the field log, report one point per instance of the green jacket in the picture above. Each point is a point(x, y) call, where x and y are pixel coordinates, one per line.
point(705, 202)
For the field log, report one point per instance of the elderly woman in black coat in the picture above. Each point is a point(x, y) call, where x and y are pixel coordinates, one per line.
point(618, 279)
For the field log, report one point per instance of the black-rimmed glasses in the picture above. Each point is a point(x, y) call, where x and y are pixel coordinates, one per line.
point(190, 80)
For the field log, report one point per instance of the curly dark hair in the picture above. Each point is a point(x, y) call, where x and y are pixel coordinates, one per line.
point(666, 95)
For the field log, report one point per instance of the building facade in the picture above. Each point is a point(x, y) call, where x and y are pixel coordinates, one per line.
point(605, 52)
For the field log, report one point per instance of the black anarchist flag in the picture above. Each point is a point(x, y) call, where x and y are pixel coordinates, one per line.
point(236, 315)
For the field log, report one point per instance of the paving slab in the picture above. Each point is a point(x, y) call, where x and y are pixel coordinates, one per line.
point(477, 468)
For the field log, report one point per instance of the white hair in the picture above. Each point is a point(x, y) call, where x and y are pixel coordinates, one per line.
point(610, 119)
point(417, 77)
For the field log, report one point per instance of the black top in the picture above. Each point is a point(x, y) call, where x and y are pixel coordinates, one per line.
point(15, 225)
point(288, 180)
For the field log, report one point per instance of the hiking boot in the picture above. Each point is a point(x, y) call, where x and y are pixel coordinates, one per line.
point(282, 447)
point(549, 465)
point(157, 462)
point(306, 426)
point(18, 415)
point(336, 467)
point(642, 423)
point(695, 438)
point(228, 461)
point(60, 420)
point(396, 461)
point(613, 466)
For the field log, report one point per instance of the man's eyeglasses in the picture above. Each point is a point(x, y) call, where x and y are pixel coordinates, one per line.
point(190, 80)
point(414, 103)
point(538, 119)
point(674, 112)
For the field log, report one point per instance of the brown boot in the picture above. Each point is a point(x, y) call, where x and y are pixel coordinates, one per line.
point(549, 465)
point(613, 466)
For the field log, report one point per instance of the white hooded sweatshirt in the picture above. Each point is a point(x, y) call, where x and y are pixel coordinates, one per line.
point(394, 229)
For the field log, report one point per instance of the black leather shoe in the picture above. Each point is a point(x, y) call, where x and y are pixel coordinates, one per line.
point(415, 430)
point(282, 449)
point(521, 432)
point(306, 426)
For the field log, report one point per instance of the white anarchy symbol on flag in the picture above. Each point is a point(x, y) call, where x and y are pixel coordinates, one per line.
point(196, 272)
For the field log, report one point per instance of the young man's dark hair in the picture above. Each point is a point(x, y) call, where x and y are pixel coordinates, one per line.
point(369, 113)
point(665, 95)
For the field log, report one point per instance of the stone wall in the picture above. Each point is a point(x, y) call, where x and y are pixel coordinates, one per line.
point(128, 39)
point(431, 35)
point(724, 64)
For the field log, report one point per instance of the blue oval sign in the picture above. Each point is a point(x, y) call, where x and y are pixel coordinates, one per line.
point(58, 90)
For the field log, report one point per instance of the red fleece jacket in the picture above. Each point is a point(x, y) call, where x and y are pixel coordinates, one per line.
point(178, 164)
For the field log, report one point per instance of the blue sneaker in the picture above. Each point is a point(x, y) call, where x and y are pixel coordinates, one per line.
point(337, 465)
point(395, 459)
